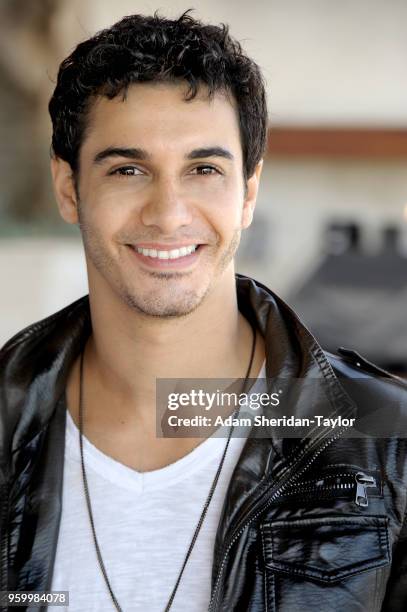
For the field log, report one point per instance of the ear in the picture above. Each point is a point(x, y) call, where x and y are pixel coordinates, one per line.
point(64, 189)
point(252, 187)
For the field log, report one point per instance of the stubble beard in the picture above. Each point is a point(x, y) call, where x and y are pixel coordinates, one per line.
point(170, 302)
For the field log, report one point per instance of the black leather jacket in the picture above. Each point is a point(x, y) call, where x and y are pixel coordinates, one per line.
point(293, 536)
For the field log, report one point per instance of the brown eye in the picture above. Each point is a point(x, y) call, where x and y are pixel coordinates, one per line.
point(205, 170)
point(127, 171)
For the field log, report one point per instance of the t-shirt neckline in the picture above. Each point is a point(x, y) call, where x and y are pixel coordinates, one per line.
point(109, 468)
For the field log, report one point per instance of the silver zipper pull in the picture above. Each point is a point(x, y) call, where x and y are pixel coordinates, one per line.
point(362, 482)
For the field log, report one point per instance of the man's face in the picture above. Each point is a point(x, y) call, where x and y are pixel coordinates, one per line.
point(161, 196)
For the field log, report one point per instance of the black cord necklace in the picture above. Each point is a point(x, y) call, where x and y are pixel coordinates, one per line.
point(206, 505)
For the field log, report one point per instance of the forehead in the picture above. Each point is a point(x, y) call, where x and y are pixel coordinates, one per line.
point(157, 116)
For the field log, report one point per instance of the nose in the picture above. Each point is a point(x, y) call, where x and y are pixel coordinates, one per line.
point(167, 208)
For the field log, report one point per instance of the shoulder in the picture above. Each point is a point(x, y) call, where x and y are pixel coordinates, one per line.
point(348, 364)
point(45, 333)
point(375, 391)
point(34, 365)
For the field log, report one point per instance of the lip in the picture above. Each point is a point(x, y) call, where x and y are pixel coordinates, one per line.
point(165, 264)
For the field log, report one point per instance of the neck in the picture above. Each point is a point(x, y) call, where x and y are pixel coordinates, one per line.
point(128, 350)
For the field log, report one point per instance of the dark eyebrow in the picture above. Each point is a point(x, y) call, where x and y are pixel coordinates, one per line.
point(129, 153)
point(210, 152)
point(136, 153)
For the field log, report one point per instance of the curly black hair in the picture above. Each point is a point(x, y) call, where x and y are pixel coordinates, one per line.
point(152, 48)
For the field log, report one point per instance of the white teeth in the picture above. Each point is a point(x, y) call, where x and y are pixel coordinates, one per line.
point(173, 254)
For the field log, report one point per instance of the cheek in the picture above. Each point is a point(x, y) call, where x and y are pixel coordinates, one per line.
point(107, 210)
point(229, 216)
point(222, 204)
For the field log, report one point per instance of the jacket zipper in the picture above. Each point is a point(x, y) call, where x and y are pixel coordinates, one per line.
point(277, 493)
point(362, 482)
point(346, 481)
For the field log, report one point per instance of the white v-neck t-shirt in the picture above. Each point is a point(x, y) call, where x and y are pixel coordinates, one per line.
point(144, 523)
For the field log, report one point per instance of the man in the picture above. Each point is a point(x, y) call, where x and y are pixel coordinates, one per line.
point(159, 128)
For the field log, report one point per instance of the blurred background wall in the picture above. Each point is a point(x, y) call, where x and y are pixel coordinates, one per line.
point(330, 228)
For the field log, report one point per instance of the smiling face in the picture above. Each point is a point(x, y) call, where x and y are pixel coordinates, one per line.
point(161, 199)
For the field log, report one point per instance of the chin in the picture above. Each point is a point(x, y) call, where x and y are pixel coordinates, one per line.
point(166, 305)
